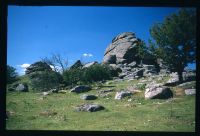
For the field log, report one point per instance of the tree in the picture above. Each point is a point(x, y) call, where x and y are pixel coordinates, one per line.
point(56, 60)
point(175, 40)
point(11, 74)
point(141, 51)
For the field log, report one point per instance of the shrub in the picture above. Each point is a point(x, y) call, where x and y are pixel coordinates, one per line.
point(72, 76)
point(96, 73)
point(87, 75)
point(45, 80)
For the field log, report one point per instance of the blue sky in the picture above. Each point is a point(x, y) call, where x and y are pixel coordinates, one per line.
point(74, 32)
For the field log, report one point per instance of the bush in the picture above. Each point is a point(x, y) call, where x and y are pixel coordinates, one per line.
point(88, 75)
point(45, 80)
point(96, 73)
point(11, 74)
point(72, 76)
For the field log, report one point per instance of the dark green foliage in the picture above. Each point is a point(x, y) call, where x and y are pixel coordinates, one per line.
point(42, 77)
point(175, 40)
point(45, 80)
point(96, 73)
point(88, 75)
point(11, 74)
point(141, 50)
point(72, 76)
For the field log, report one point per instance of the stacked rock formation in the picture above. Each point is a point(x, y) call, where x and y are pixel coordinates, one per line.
point(121, 54)
point(122, 49)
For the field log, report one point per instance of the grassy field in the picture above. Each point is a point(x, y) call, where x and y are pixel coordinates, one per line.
point(56, 112)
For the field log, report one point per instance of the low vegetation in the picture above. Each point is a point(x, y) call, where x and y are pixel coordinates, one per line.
point(56, 112)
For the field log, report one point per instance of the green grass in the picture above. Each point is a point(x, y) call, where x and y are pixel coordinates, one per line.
point(139, 114)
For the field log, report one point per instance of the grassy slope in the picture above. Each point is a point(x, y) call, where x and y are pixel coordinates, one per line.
point(119, 115)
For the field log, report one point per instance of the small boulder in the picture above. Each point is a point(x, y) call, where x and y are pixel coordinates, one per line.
point(22, 88)
point(46, 93)
point(158, 93)
point(88, 97)
point(133, 89)
point(90, 107)
point(105, 91)
point(54, 90)
point(190, 91)
point(122, 94)
point(80, 89)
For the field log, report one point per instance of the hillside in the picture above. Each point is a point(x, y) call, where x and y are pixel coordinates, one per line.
point(56, 111)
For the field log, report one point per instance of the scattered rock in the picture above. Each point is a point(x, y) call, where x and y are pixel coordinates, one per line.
point(22, 87)
point(132, 64)
point(129, 100)
point(133, 89)
point(54, 90)
point(46, 93)
point(190, 91)
point(186, 83)
point(90, 64)
point(48, 113)
point(80, 89)
point(103, 95)
point(8, 114)
point(122, 94)
point(105, 91)
point(158, 93)
point(62, 91)
point(90, 107)
point(88, 97)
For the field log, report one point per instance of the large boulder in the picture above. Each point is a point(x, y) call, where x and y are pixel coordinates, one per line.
point(122, 49)
point(90, 64)
point(80, 89)
point(76, 65)
point(158, 93)
point(90, 107)
point(38, 66)
point(22, 87)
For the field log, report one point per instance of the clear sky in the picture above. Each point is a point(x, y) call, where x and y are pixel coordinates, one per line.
point(74, 32)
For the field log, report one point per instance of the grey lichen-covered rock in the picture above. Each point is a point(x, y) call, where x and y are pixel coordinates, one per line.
point(55, 90)
point(105, 91)
point(89, 107)
point(88, 97)
point(90, 64)
point(122, 49)
point(122, 94)
point(173, 78)
point(77, 64)
point(190, 91)
point(38, 66)
point(22, 87)
point(158, 93)
point(80, 89)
